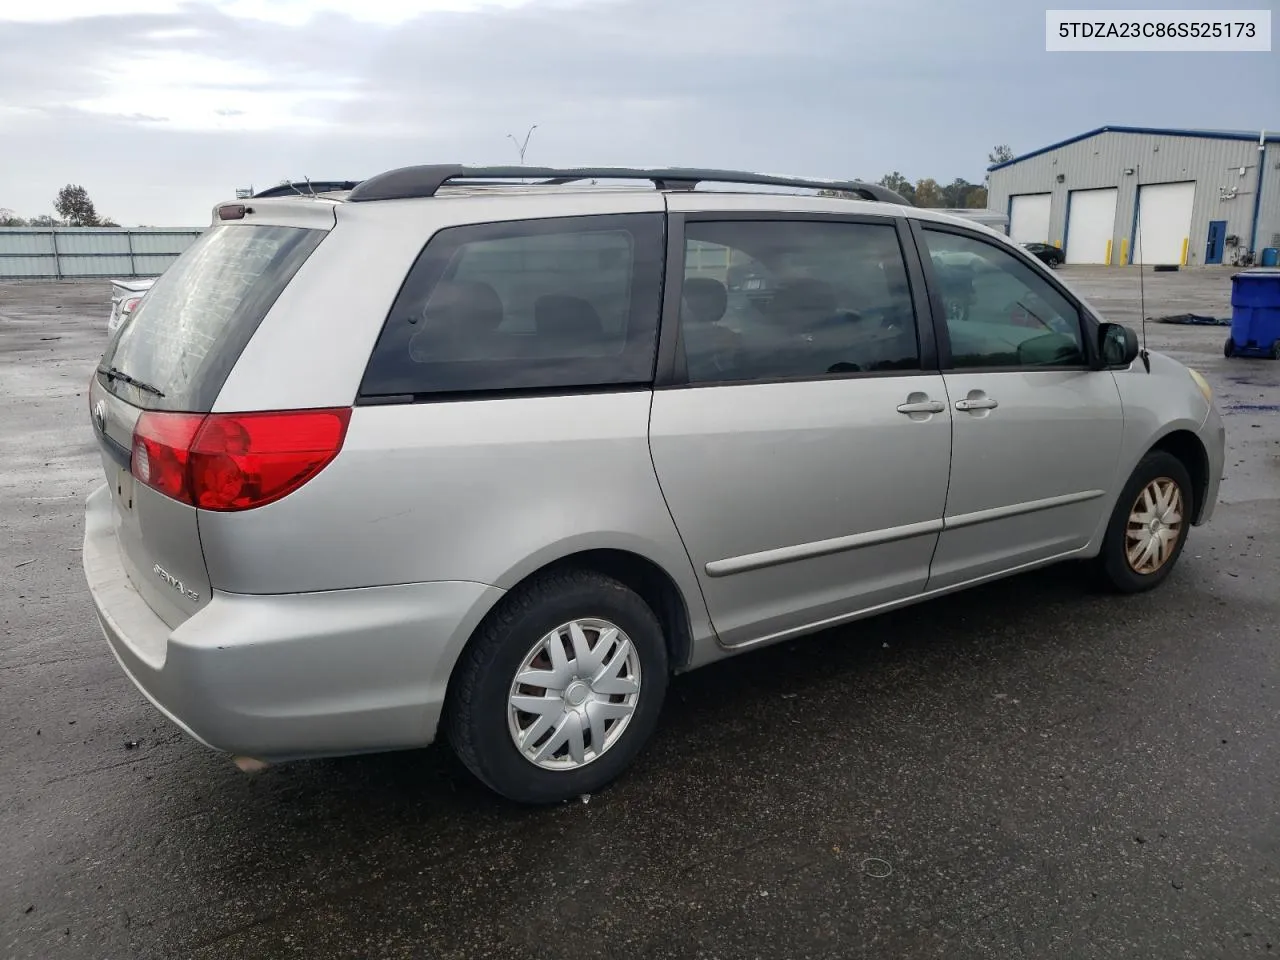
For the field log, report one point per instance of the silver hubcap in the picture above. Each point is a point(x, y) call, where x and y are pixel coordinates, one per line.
point(574, 694)
point(1155, 523)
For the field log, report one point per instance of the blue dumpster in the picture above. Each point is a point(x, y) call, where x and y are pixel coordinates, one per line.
point(1255, 314)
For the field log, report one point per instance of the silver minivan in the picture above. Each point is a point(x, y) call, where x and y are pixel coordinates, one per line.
point(490, 453)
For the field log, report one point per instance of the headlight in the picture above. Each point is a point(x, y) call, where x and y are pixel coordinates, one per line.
point(1203, 384)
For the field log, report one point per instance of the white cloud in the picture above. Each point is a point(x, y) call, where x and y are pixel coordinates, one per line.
point(287, 12)
point(184, 91)
point(162, 107)
point(390, 12)
point(176, 33)
point(56, 11)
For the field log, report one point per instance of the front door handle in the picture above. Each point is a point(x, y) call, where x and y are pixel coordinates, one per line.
point(977, 403)
point(922, 406)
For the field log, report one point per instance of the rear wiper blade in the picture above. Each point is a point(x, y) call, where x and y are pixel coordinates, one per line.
point(115, 373)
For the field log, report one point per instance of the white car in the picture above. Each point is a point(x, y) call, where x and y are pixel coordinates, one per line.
point(125, 297)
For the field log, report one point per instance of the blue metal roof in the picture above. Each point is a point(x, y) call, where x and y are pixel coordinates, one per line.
point(1162, 131)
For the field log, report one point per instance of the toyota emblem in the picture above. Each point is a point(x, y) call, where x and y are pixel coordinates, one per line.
point(100, 415)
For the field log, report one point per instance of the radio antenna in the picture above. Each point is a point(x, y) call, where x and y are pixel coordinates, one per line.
point(1142, 292)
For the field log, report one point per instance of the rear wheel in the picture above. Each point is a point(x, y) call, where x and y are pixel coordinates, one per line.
point(1275, 350)
point(1229, 348)
point(560, 688)
point(1149, 525)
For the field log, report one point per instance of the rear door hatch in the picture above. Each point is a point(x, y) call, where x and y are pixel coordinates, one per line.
point(159, 378)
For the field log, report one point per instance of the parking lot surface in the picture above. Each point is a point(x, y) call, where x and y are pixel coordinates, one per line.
point(1027, 769)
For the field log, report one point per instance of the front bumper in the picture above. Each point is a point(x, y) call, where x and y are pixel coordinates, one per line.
point(279, 677)
point(1213, 434)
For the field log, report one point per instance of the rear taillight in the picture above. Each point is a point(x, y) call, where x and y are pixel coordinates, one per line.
point(130, 305)
point(235, 461)
point(162, 452)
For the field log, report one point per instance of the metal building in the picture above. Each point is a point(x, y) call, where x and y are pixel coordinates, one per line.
point(1115, 194)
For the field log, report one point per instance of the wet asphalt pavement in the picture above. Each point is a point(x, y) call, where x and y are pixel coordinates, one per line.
point(1028, 769)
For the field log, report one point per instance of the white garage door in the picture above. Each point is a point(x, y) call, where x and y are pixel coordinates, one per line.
point(1091, 218)
point(1164, 222)
point(1029, 218)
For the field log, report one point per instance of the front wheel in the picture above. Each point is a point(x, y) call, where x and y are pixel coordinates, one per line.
point(1149, 525)
point(560, 688)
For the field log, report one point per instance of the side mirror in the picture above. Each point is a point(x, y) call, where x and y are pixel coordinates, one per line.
point(1117, 344)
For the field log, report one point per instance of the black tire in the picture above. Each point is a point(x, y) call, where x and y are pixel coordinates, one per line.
point(1112, 565)
point(1275, 350)
point(476, 717)
point(1229, 348)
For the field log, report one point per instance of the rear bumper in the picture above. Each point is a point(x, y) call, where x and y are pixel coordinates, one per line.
point(1213, 434)
point(279, 677)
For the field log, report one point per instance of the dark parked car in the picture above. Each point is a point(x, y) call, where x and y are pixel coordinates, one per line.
point(1047, 253)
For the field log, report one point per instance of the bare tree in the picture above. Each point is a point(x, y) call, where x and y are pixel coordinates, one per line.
point(1000, 154)
point(10, 219)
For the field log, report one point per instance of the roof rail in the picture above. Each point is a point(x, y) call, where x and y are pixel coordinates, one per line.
point(424, 181)
point(306, 188)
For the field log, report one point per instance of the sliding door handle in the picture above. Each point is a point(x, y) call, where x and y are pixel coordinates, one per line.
point(977, 403)
point(922, 406)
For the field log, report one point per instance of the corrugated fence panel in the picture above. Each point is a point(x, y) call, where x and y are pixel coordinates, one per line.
point(153, 264)
point(77, 242)
point(74, 252)
point(24, 243)
point(28, 266)
point(172, 242)
point(87, 265)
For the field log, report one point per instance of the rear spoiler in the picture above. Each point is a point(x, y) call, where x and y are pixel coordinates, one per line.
point(134, 286)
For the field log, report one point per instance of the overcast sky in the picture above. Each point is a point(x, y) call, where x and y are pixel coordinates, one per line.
point(162, 108)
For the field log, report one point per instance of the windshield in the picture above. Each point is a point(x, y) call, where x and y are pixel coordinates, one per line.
point(175, 351)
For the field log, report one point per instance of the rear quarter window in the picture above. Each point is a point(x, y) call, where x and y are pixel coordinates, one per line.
point(552, 304)
point(189, 330)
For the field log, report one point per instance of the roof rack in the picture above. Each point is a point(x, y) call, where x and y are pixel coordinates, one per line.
point(424, 181)
point(307, 188)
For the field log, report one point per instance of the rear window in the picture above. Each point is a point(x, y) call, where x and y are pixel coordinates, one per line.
point(551, 304)
point(191, 327)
